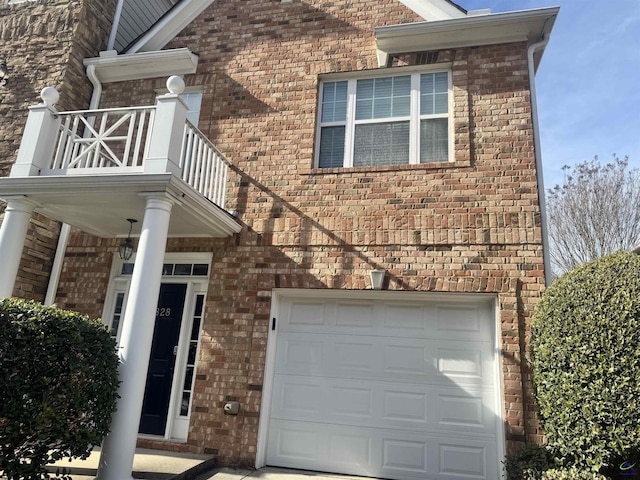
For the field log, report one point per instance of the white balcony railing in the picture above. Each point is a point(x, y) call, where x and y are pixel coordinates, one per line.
point(203, 166)
point(117, 140)
point(102, 139)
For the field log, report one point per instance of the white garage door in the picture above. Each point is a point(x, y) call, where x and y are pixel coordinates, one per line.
point(400, 388)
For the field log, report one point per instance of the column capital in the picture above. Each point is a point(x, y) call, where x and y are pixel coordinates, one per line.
point(156, 199)
point(19, 203)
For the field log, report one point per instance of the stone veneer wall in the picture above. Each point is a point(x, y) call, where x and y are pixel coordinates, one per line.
point(469, 226)
point(44, 42)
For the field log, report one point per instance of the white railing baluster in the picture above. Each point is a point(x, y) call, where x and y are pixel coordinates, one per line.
point(223, 183)
point(216, 190)
point(139, 134)
point(74, 149)
point(203, 166)
point(62, 141)
point(127, 145)
point(204, 178)
point(197, 170)
point(212, 175)
point(152, 116)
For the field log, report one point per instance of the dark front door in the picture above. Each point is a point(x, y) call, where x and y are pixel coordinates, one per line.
point(157, 394)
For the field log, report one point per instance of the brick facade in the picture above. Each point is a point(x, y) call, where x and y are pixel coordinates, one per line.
point(44, 43)
point(472, 225)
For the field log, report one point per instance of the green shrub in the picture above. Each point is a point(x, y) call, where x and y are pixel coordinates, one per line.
point(572, 474)
point(58, 383)
point(528, 463)
point(586, 362)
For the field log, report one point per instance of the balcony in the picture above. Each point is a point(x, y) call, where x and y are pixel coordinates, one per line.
point(94, 169)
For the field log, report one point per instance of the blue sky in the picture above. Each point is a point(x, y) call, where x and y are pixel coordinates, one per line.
point(588, 83)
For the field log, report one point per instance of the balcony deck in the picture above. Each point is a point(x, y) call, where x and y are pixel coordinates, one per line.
point(94, 168)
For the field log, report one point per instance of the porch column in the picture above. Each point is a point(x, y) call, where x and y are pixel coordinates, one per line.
point(118, 447)
point(13, 233)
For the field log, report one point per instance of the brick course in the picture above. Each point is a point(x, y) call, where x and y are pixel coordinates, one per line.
point(472, 225)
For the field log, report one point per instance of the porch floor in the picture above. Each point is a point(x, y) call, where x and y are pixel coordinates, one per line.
point(147, 464)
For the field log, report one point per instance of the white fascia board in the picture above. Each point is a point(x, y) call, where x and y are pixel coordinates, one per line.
point(433, 10)
point(524, 25)
point(165, 29)
point(137, 66)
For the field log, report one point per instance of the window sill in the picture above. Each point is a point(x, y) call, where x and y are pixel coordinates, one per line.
point(387, 168)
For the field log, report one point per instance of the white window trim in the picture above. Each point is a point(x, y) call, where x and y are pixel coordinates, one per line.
point(414, 117)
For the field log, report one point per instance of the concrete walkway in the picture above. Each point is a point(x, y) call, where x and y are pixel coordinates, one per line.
point(274, 473)
point(165, 465)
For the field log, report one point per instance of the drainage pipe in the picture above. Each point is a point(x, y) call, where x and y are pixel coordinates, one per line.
point(538, 157)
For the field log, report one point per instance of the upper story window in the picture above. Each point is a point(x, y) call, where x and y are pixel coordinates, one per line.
point(392, 120)
point(193, 101)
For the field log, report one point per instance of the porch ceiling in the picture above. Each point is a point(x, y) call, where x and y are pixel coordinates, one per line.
point(100, 205)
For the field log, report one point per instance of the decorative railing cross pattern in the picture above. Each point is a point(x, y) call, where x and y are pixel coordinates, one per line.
point(116, 141)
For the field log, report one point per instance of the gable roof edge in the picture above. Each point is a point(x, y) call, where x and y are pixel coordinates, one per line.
point(165, 29)
point(433, 10)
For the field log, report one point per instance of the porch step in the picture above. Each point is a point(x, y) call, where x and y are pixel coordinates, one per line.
point(147, 464)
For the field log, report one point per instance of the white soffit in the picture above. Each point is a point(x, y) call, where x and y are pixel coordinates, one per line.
point(525, 25)
point(181, 15)
point(433, 10)
point(136, 66)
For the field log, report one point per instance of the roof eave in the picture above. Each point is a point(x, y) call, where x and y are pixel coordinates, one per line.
point(526, 25)
point(135, 66)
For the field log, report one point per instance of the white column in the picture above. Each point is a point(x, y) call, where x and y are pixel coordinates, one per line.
point(13, 233)
point(118, 448)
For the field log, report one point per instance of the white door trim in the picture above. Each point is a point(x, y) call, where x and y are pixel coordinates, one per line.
point(196, 285)
point(279, 293)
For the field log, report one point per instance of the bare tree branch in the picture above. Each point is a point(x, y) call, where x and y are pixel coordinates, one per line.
point(595, 212)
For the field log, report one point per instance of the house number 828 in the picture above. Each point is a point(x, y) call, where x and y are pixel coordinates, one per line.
point(163, 312)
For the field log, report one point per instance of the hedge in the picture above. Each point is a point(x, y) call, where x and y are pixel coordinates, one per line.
point(586, 363)
point(58, 384)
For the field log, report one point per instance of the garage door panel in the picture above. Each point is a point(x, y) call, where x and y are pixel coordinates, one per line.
point(409, 320)
point(403, 455)
point(403, 406)
point(302, 398)
point(445, 362)
point(388, 318)
point(383, 404)
point(314, 446)
point(381, 453)
point(357, 356)
point(350, 316)
point(464, 412)
point(303, 353)
point(299, 314)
